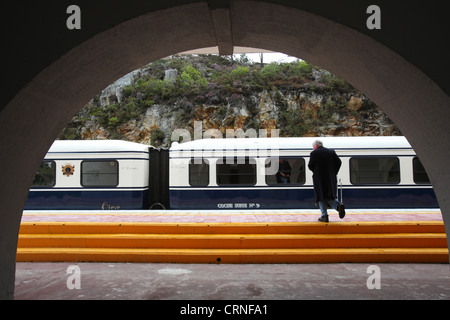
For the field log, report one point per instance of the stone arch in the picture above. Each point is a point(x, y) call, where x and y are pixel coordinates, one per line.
point(35, 116)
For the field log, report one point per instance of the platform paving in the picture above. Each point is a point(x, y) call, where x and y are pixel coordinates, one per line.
point(231, 216)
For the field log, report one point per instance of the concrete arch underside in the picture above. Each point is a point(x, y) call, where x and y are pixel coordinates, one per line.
point(36, 115)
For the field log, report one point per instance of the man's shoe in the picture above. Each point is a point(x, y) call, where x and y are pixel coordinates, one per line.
point(341, 210)
point(323, 219)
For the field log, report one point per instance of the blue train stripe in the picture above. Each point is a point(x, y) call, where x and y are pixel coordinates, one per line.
point(87, 199)
point(258, 198)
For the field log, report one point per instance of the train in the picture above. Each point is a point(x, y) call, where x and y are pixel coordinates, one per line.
point(223, 174)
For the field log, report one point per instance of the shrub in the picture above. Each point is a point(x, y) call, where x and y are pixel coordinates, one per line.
point(240, 72)
point(157, 137)
point(191, 78)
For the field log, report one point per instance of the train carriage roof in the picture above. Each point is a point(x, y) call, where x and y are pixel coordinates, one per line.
point(71, 146)
point(391, 142)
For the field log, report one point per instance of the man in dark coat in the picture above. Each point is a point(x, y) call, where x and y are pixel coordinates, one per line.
point(325, 165)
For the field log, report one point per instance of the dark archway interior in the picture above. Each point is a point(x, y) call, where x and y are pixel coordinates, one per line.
point(52, 80)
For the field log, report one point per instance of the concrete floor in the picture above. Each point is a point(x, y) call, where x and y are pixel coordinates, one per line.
point(127, 281)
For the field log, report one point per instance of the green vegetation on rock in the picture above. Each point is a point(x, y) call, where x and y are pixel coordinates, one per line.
point(297, 98)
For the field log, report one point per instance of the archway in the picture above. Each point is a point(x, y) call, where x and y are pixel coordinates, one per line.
point(34, 117)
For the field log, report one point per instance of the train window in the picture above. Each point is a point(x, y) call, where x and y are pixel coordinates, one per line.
point(199, 173)
point(290, 171)
point(374, 170)
point(419, 174)
point(96, 173)
point(236, 171)
point(45, 176)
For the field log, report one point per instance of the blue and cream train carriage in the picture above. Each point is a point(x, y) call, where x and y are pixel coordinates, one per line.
point(376, 172)
point(101, 174)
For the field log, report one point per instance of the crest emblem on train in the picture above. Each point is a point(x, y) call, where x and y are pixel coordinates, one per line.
point(68, 170)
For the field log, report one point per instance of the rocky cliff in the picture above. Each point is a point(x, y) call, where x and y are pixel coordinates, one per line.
point(297, 98)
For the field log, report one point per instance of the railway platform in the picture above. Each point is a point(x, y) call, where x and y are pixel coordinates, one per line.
point(282, 254)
